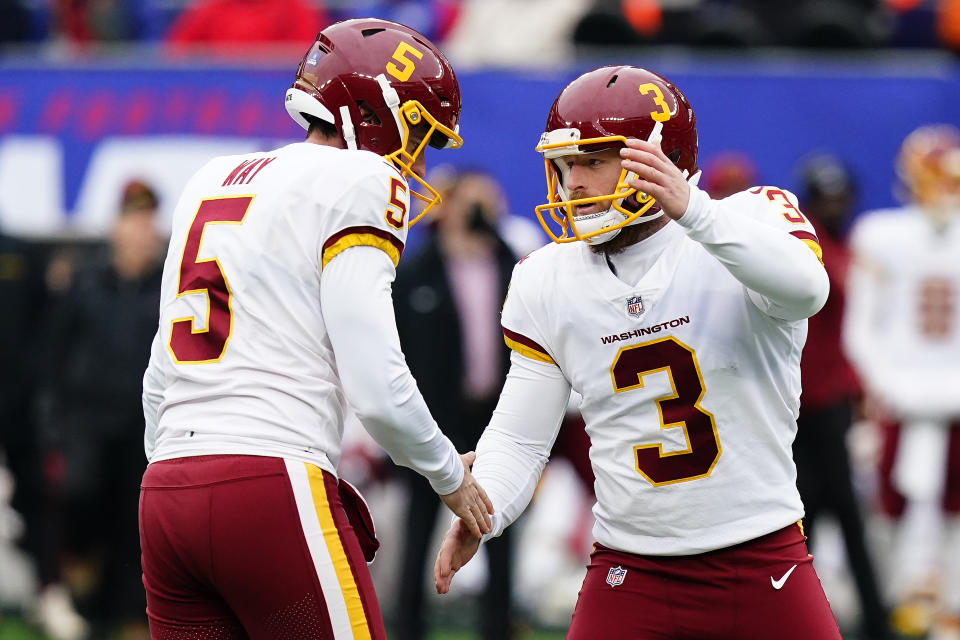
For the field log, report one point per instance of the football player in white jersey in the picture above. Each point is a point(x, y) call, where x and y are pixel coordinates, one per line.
point(275, 313)
point(902, 332)
point(680, 321)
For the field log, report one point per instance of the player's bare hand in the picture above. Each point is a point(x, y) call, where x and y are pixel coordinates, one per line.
point(459, 545)
point(470, 501)
point(656, 176)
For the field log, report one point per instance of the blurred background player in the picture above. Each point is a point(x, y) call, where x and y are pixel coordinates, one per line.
point(275, 312)
point(831, 389)
point(448, 298)
point(902, 332)
point(679, 320)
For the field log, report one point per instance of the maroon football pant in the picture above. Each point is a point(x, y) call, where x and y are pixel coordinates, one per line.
point(729, 594)
point(240, 547)
point(892, 501)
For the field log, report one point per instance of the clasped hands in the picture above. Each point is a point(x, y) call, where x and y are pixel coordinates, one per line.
point(473, 509)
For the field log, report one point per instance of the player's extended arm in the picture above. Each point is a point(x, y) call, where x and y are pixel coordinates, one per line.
point(154, 383)
point(511, 454)
point(859, 322)
point(358, 311)
point(766, 260)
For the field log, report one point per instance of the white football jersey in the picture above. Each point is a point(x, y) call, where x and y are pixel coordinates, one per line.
point(246, 360)
point(903, 320)
point(690, 391)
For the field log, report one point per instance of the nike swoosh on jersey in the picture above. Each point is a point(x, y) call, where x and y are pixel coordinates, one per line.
point(778, 584)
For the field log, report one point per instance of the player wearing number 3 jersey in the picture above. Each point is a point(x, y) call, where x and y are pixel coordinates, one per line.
point(680, 320)
point(275, 311)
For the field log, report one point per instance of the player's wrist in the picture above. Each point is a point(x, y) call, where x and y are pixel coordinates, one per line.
point(698, 205)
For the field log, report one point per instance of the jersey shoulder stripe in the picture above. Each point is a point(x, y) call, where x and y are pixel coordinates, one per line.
point(812, 241)
point(362, 236)
point(526, 347)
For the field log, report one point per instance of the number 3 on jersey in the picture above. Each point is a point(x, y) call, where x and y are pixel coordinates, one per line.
point(679, 409)
point(188, 344)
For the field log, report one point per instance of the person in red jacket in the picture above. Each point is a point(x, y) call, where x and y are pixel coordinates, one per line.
point(225, 25)
point(830, 388)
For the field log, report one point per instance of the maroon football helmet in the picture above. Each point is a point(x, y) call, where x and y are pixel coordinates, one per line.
point(400, 76)
point(600, 110)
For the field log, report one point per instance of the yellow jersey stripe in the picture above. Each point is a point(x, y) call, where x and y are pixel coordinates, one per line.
point(348, 586)
point(360, 239)
point(524, 350)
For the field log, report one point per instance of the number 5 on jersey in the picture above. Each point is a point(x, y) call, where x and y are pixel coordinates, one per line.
point(188, 344)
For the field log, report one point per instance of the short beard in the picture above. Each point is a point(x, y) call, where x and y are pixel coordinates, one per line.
point(630, 235)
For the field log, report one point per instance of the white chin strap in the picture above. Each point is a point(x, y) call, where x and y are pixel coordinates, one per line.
point(392, 99)
point(346, 127)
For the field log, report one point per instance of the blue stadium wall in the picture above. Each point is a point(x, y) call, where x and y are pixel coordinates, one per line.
point(776, 111)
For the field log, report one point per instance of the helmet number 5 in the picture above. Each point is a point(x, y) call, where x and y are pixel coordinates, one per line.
point(664, 114)
point(400, 55)
point(680, 409)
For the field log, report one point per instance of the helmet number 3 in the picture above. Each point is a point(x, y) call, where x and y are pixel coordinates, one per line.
point(400, 55)
point(648, 87)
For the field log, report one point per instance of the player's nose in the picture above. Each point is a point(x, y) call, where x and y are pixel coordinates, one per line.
point(575, 179)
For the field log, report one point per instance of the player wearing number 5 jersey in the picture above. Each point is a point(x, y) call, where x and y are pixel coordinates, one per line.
point(680, 320)
point(275, 312)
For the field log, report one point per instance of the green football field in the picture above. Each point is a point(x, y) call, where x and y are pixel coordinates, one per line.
point(17, 629)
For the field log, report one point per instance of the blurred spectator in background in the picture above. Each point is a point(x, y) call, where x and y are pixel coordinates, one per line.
point(231, 26)
point(432, 18)
point(99, 336)
point(830, 388)
point(902, 332)
point(521, 234)
point(509, 33)
point(448, 298)
point(87, 21)
point(727, 173)
point(15, 26)
point(947, 17)
point(22, 296)
point(738, 23)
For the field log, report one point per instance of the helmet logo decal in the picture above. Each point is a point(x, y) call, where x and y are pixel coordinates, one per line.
point(400, 55)
point(664, 114)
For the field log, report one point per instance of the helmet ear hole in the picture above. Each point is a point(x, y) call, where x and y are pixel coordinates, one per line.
point(367, 114)
point(674, 156)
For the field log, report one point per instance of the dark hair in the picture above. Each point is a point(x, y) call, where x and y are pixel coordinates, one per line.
point(138, 196)
point(324, 128)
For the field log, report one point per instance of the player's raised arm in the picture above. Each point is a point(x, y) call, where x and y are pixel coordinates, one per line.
point(760, 235)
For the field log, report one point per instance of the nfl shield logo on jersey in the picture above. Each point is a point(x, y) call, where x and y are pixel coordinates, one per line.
point(635, 306)
point(615, 576)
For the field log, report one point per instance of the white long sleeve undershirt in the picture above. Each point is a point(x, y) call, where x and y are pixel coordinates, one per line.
point(785, 278)
point(514, 448)
point(355, 296)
